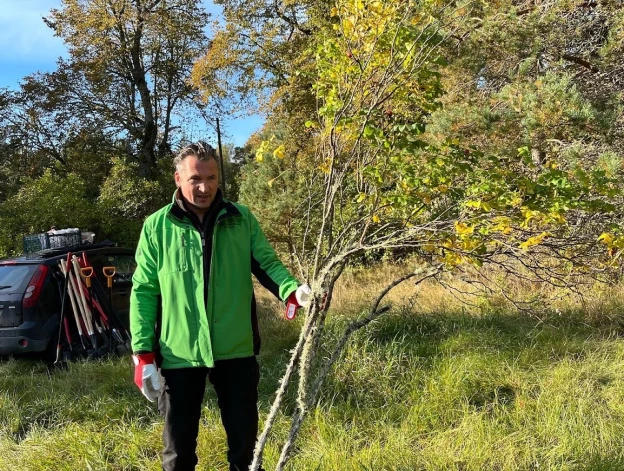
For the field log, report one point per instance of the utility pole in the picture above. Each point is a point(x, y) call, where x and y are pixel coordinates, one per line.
point(221, 158)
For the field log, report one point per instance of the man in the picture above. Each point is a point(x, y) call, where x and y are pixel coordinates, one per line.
point(194, 260)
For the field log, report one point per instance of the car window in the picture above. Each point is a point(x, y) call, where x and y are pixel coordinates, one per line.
point(124, 265)
point(14, 278)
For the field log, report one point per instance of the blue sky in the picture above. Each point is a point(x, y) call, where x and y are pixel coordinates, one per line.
point(27, 45)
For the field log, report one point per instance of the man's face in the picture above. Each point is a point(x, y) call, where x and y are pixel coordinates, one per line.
point(198, 181)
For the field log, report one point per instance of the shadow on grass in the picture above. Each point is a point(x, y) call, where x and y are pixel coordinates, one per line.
point(99, 391)
point(430, 338)
point(35, 396)
point(602, 463)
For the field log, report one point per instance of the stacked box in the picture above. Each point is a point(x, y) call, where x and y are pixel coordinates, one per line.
point(51, 240)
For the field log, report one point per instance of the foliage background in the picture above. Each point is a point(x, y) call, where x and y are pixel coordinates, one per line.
point(441, 133)
point(510, 75)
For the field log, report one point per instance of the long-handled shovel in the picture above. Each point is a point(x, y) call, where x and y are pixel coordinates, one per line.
point(98, 308)
point(63, 323)
point(107, 302)
point(86, 273)
point(83, 302)
point(74, 303)
point(105, 315)
point(117, 327)
point(109, 273)
point(107, 330)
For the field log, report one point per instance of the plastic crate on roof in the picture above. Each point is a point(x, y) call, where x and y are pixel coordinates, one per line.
point(51, 240)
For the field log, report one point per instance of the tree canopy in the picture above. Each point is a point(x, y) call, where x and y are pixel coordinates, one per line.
point(463, 133)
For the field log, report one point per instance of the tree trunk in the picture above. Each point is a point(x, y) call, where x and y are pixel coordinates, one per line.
point(147, 153)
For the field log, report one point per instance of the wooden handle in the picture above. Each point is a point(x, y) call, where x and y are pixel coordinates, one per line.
point(109, 272)
point(87, 273)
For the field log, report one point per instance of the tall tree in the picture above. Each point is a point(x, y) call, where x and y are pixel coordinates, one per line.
point(262, 47)
point(382, 180)
point(128, 65)
point(263, 56)
point(463, 132)
point(546, 75)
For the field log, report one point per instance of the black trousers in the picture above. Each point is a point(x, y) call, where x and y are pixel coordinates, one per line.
point(236, 384)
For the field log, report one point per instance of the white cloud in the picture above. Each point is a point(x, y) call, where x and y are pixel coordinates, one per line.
point(24, 37)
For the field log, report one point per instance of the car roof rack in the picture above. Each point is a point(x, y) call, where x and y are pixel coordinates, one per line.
point(49, 253)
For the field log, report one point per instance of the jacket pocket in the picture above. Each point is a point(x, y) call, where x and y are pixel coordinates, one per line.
point(175, 254)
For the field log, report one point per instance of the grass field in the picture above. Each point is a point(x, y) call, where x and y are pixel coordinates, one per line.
point(432, 386)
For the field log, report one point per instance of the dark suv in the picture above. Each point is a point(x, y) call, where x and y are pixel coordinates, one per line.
point(30, 294)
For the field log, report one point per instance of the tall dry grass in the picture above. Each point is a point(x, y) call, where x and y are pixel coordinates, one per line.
point(433, 385)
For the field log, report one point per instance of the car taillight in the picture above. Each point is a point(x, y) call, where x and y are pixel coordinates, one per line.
point(34, 287)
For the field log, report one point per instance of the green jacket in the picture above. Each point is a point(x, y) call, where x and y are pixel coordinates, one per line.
point(195, 330)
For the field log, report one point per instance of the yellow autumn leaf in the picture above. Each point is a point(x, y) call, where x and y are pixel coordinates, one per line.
point(463, 229)
point(348, 24)
point(376, 219)
point(443, 188)
point(334, 12)
point(448, 243)
point(606, 239)
point(517, 201)
point(535, 240)
point(279, 152)
point(530, 215)
point(503, 225)
point(470, 244)
point(452, 258)
point(324, 167)
point(376, 7)
point(261, 150)
point(618, 242)
point(270, 183)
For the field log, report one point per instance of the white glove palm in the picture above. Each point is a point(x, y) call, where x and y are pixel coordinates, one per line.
point(146, 376)
point(151, 382)
point(303, 295)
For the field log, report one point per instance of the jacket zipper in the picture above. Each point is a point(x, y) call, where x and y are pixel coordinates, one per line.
point(202, 233)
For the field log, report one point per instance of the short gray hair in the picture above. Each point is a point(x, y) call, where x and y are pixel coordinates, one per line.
point(199, 149)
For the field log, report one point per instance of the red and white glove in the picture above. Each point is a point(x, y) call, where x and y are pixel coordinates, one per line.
point(146, 375)
point(298, 298)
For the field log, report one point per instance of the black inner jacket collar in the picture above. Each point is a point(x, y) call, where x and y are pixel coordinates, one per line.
point(181, 209)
